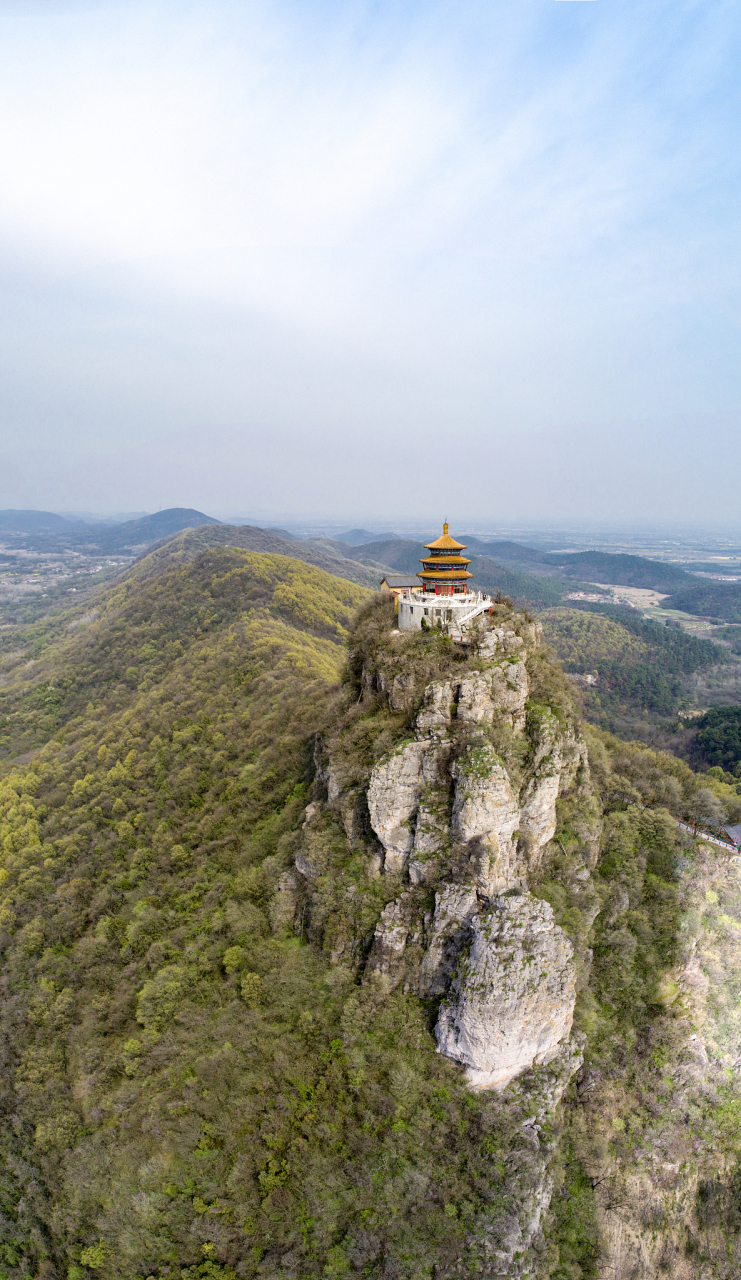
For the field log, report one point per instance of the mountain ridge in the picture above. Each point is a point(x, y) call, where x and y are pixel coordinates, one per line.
point(248, 872)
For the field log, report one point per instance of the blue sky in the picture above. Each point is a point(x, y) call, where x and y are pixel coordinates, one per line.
point(371, 259)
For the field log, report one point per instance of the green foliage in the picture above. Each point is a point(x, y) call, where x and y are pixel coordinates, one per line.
point(636, 936)
point(572, 1231)
point(730, 635)
point(718, 737)
point(195, 1082)
point(147, 623)
point(94, 1256)
point(620, 570)
point(708, 599)
point(639, 663)
point(680, 653)
point(161, 996)
point(584, 640)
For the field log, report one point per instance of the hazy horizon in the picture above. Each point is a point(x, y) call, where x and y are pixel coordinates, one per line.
point(330, 258)
point(619, 535)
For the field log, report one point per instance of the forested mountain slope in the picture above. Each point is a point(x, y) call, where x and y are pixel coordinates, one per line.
point(251, 538)
point(531, 589)
point(240, 903)
point(641, 667)
point(622, 570)
point(139, 630)
point(708, 599)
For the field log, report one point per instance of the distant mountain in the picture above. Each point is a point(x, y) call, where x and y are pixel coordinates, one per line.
point(708, 599)
point(133, 534)
point(621, 570)
point(34, 522)
point(392, 553)
point(504, 552)
point(192, 542)
point(173, 520)
point(356, 537)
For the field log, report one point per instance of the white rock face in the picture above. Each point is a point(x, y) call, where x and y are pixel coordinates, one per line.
point(403, 691)
point(394, 791)
point(485, 809)
point(500, 690)
point(484, 800)
point(431, 835)
point(558, 755)
point(538, 817)
point(511, 1002)
point(434, 718)
point(389, 943)
point(454, 907)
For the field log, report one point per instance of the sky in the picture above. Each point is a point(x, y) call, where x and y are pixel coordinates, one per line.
point(372, 261)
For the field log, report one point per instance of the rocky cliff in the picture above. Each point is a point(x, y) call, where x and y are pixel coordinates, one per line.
point(381, 976)
point(456, 818)
point(461, 782)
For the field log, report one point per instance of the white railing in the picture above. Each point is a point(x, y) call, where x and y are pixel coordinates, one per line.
point(453, 612)
point(702, 833)
point(411, 596)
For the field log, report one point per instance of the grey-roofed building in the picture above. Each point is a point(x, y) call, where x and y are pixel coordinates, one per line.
point(394, 583)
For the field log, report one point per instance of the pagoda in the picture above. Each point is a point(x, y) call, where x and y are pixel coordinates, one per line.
point(444, 600)
point(444, 570)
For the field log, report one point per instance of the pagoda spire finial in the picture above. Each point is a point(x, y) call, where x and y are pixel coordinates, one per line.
point(445, 527)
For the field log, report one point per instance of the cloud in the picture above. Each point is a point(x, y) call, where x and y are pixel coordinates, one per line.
point(352, 228)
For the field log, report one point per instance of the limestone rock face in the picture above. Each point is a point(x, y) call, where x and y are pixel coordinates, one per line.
point(538, 817)
point(403, 691)
point(558, 755)
point(389, 942)
point(285, 902)
point(408, 791)
point(394, 791)
point(500, 690)
point(511, 1002)
point(451, 925)
point(485, 809)
point(478, 698)
point(431, 835)
point(484, 799)
point(447, 813)
point(435, 716)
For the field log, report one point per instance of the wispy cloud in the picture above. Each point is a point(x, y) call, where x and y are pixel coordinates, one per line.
point(340, 222)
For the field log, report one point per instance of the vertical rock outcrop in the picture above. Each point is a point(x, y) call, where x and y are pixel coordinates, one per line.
point(486, 810)
point(499, 690)
point(449, 929)
point(436, 714)
point(511, 1002)
point(465, 811)
point(394, 791)
point(448, 812)
point(385, 962)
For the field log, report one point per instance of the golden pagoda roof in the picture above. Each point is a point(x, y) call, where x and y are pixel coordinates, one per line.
point(445, 542)
point(446, 562)
point(444, 570)
point(435, 575)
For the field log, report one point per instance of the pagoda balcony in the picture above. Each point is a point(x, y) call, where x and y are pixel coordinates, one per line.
point(451, 612)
